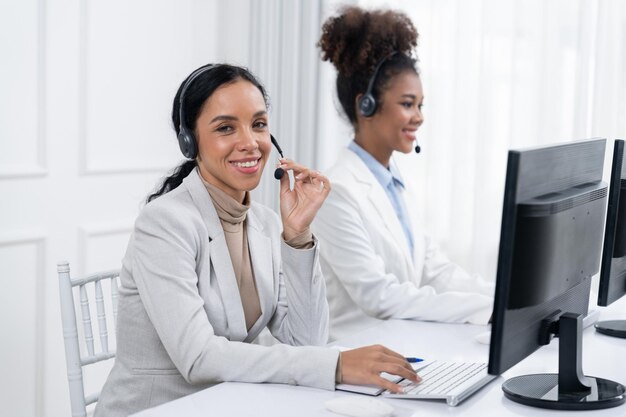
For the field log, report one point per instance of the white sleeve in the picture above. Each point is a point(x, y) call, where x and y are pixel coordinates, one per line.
point(301, 317)
point(443, 275)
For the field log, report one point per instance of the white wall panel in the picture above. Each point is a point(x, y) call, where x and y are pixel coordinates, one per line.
point(21, 326)
point(102, 246)
point(134, 55)
point(22, 151)
point(86, 87)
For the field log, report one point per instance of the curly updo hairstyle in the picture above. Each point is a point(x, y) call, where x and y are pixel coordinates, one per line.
point(357, 40)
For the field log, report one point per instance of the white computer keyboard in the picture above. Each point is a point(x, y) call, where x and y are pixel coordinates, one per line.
point(450, 381)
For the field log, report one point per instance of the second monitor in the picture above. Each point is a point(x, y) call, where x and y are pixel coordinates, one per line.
point(613, 272)
point(550, 243)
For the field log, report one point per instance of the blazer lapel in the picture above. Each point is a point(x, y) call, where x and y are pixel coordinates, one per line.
point(220, 258)
point(379, 200)
point(262, 264)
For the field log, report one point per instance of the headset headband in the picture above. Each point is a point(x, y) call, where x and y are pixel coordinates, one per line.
point(370, 85)
point(181, 98)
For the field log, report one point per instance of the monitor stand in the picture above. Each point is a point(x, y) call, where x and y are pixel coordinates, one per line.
point(569, 389)
point(615, 328)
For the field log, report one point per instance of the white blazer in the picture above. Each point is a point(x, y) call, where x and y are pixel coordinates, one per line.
point(180, 323)
point(370, 274)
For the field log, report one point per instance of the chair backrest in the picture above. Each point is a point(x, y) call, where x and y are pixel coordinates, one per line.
point(73, 358)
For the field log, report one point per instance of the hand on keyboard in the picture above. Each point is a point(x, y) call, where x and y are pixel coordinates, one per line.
point(364, 366)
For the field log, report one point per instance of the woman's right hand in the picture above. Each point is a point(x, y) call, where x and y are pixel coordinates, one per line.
point(299, 206)
point(363, 366)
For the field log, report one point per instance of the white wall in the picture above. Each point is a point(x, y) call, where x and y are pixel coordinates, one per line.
point(86, 91)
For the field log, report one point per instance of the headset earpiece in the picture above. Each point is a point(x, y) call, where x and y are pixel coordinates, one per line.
point(367, 105)
point(186, 139)
point(187, 143)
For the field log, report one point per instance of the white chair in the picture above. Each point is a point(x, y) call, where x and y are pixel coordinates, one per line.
point(73, 358)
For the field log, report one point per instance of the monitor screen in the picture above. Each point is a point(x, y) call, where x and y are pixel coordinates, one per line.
point(550, 244)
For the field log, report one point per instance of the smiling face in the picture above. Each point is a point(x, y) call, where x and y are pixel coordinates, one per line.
point(394, 125)
point(233, 138)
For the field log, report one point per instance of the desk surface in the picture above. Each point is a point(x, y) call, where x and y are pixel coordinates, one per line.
point(603, 356)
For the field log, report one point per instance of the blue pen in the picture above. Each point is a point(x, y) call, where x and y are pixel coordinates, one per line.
point(414, 360)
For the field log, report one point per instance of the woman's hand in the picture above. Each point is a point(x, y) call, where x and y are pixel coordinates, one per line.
point(299, 206)
point(363, 366)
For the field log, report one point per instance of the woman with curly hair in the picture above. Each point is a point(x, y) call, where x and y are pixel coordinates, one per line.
point(376, 265)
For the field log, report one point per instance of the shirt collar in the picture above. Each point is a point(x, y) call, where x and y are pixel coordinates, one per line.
point(383, 175)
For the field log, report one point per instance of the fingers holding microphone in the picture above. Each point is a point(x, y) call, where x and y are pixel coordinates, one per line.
point(300, 204)
point(300, 171)
point(303, 176)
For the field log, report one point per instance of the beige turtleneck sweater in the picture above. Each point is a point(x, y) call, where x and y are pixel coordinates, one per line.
point(232, 216)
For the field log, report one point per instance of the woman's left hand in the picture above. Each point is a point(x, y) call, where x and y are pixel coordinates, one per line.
point(299, 206)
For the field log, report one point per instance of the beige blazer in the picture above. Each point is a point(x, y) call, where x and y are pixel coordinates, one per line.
point(369, 270)
point(180, 325)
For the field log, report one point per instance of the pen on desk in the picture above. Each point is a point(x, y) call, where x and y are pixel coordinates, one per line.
point(414, 360)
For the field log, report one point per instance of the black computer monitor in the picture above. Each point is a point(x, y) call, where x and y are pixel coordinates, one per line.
point(550, 243)
point(613, 271)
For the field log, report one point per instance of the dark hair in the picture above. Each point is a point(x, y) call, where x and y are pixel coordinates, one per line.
point(357, 40)
point(197, 93)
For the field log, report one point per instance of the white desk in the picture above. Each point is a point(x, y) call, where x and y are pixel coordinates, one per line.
point(603, 356)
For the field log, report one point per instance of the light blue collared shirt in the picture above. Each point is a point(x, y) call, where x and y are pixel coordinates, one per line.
point(391, 181)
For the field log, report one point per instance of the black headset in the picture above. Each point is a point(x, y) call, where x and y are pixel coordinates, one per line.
point(367, 102)
point(279, 172)
point(186, 139)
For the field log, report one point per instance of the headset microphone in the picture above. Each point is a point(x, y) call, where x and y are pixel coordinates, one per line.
point(278, 174)
point(417, 148)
